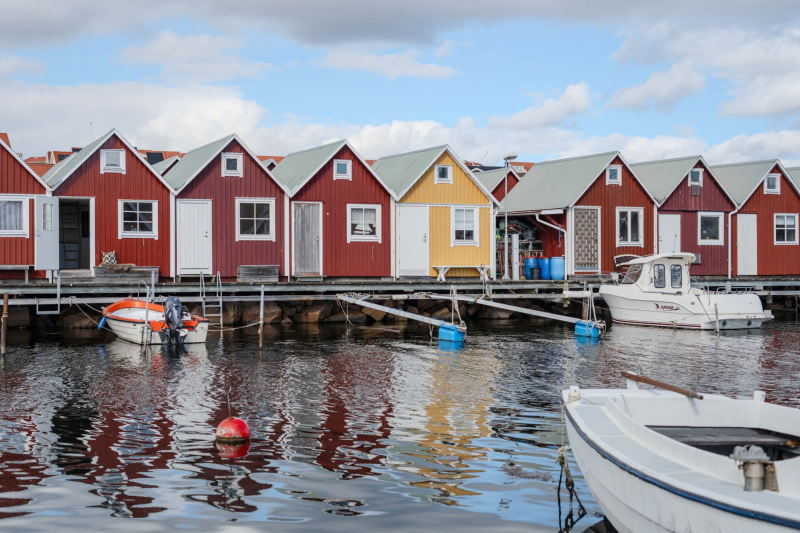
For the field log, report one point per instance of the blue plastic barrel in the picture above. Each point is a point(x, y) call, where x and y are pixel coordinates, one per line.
point(530, 262)
point(544, 264)
point(557, 268)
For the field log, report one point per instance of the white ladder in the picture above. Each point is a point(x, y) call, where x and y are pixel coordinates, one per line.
point(216, 297)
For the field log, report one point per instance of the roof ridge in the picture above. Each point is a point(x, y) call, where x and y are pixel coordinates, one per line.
point(747, 163)
point(667, 160)
point(341, 141)
point(232, 135)
point(574, 158)
point(413, 152)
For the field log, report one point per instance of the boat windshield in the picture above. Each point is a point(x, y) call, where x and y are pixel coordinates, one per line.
point(632, 275)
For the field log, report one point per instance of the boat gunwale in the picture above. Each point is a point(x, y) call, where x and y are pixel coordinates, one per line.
point(156, 325)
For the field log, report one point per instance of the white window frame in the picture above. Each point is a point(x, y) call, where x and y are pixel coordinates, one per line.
point(715, 242)
point(239, 165)
point(137, 234)
point(689, 177)
point(437, 180)
point(621, 244)
point(25, 231)
point(113, 170)
point(775, 229)
point(272, 221)
point(477, 231)
point(619, 175)
point(349, 175)
point(777, 189)
point(359, 238)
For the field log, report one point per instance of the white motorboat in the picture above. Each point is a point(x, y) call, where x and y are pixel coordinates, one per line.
point(659, 461)
point(127, 319)
point(656, 291)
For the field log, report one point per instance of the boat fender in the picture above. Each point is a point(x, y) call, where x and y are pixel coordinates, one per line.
point(102, 323)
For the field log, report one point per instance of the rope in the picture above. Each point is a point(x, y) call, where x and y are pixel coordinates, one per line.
point(345, 311)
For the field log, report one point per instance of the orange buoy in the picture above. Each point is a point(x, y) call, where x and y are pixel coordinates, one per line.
point(233, 431)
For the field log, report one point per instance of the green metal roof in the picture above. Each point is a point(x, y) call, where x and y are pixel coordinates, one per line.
point(557, 184)
point(661, 177)
point(63, 169)
point(297, 168)
point(741, 179)
point(161, 166)
point(195, 161)
point(492, 178)
point(400, 172)
point(794, 172)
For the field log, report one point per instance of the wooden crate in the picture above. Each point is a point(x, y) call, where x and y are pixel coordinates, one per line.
point(257, 273)
point(123, 273)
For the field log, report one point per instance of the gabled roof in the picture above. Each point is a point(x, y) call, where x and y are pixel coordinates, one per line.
point(664, 176)
point(64, 169)
point(296, 169)
point(742, 179)
point(16, 156)
point(194, 161)
point(400, 172)
point(493, 178)
point(164, 165)
point(794, 172)
point(560, 183)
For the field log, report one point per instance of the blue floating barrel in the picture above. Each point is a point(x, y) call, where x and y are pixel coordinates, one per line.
point(587, 329)
point(530, 262)
point(448, 332)
point(557, 268)
point(544, 264)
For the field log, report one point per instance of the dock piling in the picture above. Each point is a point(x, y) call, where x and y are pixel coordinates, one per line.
point(5, 325)
point(261, 321)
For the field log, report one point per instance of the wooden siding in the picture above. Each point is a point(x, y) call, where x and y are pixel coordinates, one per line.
point(443, 253)
point(223, 191)
point(499, 192)
point(357, 258)
point(609, 198)
point(462, 191)
point(773, 259)
point(713, 258)
point(138, 183)
point(15, 179)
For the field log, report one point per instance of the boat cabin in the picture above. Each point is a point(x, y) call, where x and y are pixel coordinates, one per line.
point(663, 273)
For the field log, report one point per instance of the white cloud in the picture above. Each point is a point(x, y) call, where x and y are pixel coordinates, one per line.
point(389, 65)
point(784, 145)
point(448, 48)
point(575, 100)
point(14, 64)
point(195, 58)
point(662, 90)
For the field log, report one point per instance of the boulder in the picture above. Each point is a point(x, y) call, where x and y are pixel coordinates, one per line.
point(492, 313)
point(316, 312)
point(18, 317)
point(374, 314)
point(231, 313)
point(356, 317)
point(252, 310)
point(72, 318)
point(287, 308)
point(412, 309)
point(424, 305)
point(43, 321)
point(472, 309)
point(286, 320)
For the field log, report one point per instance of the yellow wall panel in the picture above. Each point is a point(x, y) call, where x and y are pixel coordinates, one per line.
point(442, 253)
point(462, 191)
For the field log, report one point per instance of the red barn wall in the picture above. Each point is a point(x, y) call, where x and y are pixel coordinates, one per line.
point(773, 260)
point(340, 258)
point(608, 198)
point(499, 192)
point(714, 258)
point(15, 179)
point(223, 191)
point(138, 183)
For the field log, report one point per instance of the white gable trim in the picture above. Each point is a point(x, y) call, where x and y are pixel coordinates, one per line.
point(786, 176)
point(625, 164)
point(706, 168)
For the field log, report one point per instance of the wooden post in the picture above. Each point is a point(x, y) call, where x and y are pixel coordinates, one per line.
point(261, 321)
point(5, 325)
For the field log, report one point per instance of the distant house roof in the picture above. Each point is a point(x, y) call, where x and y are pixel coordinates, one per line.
point(296, 169)
point(560, 183)
point(64, 169)
point(40, 167)
point(742, 179)
point(664, 176)
point(276, 158)
point(4, 138)
point(37, 159)
point(34, 173)
point(194, 161)
point(493, 178)
point(156, 156)
point(400, 172)
point(163, 166)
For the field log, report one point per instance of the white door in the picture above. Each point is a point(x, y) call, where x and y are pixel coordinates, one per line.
point(412, 240)
point(669, 234)
point(307, 238)
point(46, 233)
point(195, 243)
point(747, 245)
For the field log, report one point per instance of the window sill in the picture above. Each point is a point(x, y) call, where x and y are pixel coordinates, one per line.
point(443, 182)
point(711, 243)
point(138, 236)
point(630, 245)
point(14, 233)
point(786, 244)
point(772, 192)
point(613, 183)
point(363, 239)
point(237, 175)
point(255, 237)
point(345, 178)
point(112, 171)
point(465, 243)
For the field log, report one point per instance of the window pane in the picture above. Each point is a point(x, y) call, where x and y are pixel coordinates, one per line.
point(791, 235)
point(247, 210)
point(262, 227)
point(459, 234)
point(791, 222)
point(632, 276)
point(262, 210)
point(247, 227)
point(772, 183)
point(659, 277)
point(695, 176)
point(709, 228)
point(677, 276)
point(635, 216)
point(357, 215)
point(130, 226)
point(623, 226)
point(231, 163)
point(469, 235)
point(129, 206)
point(613, 174)
point(443, 173)
point(459, 216)
point(370, 215)
point(146, 206)
point(129, 217)
point(112, 159)
point(11, 215)
point(341, 169)
point(145, 217)
point(145, 226)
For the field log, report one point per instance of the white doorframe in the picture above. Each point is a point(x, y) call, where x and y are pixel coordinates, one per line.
point(321, 236)
point(92, 234)
point(210, 269)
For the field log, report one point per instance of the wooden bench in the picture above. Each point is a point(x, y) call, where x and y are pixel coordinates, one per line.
point(483, 270)
point(26, 268)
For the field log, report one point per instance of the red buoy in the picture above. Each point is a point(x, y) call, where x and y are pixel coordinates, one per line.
point(233, 451)
point(233, 430)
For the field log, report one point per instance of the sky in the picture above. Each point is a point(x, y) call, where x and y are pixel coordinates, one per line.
point(542, 78)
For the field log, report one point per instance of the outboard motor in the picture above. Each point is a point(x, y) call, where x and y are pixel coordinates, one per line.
point(173, 310)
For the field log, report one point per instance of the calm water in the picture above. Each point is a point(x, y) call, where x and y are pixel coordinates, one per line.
point(368, 427)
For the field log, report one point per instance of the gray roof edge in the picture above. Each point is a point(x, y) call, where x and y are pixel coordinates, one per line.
point(340, 141)
point(745, 163)
point(551, 161)
point(440, 147)
point(672, 160)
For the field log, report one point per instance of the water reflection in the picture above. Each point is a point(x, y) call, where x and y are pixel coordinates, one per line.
point(346, 422)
